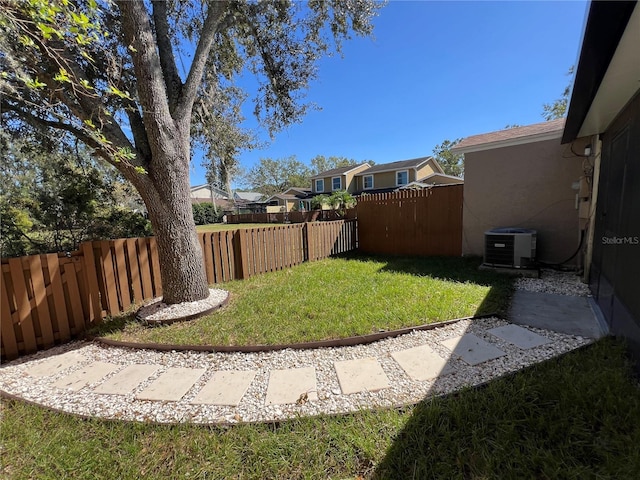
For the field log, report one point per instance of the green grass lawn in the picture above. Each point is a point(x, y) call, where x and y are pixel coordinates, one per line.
point(575, 417)
point(335, 298)
point(219, 227)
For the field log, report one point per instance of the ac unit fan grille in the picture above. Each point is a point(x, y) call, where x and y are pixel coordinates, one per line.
point(499, 249)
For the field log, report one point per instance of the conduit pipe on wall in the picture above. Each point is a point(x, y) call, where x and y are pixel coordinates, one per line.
point(596, 152)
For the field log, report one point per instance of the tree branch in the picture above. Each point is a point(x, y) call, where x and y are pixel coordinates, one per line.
point(137, 129)
point(215, 19)
point(151, 88)
point(172, 80)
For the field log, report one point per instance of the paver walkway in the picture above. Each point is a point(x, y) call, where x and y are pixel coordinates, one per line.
point(115, 382)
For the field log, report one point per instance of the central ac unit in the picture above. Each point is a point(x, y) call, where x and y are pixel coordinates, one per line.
point(510, 247)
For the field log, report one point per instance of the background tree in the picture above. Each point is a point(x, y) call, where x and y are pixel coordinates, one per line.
point(55, 197)
point(109, 77)
point(340, 200)
point(320, 163)
point(451, 163)
point(558, 109)
point(273, 176)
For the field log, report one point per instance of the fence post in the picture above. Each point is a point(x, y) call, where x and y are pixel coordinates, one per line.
point(91, 276)
point(305, 242)
point(242, 254)
point(311, 251)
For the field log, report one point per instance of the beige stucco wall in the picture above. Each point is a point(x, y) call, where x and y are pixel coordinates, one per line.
point(275, 208)
point(527, 186)
point(424, 171)
point(349, 183)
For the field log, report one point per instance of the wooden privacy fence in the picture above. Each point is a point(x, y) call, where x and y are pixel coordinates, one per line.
point(412, 222)
point(49, 299)
point(292, 217)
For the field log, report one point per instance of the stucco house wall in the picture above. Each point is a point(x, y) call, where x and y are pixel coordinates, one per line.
point(527, 186)
point(346, 175)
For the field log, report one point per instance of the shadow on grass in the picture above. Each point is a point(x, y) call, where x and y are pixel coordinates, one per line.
point(577, 416)
point(452, 269)
point(112, 325)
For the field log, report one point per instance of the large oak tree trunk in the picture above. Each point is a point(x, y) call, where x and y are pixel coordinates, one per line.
point(165, 186)
point(169, 206)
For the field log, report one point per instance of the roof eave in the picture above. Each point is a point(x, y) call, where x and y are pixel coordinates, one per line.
point(605, 26)
point(511, 142)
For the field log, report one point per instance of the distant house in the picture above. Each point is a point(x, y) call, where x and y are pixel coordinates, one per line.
point(208, 194)
point(342, 178)
point(604, 112)
point(294, 198)
point(387, 177)
point(522, 177)
point(249, 202)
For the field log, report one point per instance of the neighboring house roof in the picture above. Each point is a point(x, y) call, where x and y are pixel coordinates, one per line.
point(401, 165)
point(248, 196)
point(434, 177)
point(511, 136)
point(292, 194)
point(298, 191)
point(204, 190)
point(608, 72)
point(334, 172)
point(431, 180)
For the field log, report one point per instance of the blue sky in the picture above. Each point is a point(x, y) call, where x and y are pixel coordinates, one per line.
point(434, 71)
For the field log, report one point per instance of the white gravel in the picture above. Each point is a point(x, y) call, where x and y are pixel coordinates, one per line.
point(403, 390)
point(158, 311)
point(553, 281)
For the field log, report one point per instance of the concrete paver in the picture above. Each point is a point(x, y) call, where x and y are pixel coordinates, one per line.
point(172, 385)
point(560, 313)
point(226, 387)
point(291, 385)
point(91, 373)
point(126, 380)
point(472, 349)
point(363, 374)
point(55, 364)
point(422, 363)
point(518, 336)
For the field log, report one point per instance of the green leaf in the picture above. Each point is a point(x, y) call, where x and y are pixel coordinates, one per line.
point(48, 32)
point(118, 92)
point(85, 83)
point(26, 41)
point(62, 76)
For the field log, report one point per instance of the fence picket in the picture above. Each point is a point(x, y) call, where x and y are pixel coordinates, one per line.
point(70, 278)
point(25, 321)
point(155, 265)
point(7, 328)
point(109, 277)
point(40, 296)
point(123, 283)
point(57, 291)
point(134, 269)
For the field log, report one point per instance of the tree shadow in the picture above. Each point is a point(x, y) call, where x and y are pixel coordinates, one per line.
point(112, 325)
point(541, 422)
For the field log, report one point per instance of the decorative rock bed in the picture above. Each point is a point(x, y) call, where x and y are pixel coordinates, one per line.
point(43, 377)
point(159, 313)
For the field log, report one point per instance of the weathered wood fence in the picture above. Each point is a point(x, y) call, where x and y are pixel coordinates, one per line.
point(412, 222)
point(49, 299)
